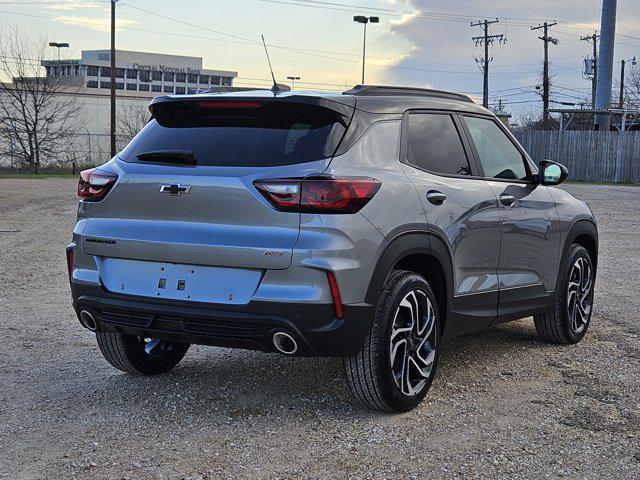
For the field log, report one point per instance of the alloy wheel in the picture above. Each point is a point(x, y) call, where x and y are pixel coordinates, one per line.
point(412, 346)
point(579, 295)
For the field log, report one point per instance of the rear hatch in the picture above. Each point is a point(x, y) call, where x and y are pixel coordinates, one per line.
point(184, 208)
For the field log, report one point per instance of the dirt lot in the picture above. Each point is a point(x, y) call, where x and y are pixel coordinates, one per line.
point(503, 404)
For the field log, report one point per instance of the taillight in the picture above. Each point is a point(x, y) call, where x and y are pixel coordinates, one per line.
point(94, 183)
point(319, 194)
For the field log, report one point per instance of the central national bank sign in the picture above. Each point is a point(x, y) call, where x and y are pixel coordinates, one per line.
point(165, 68)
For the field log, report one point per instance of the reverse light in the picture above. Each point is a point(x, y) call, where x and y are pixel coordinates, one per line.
point(319, 194)
point(94, 184)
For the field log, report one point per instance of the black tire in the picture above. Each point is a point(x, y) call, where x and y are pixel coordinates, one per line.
point(370, 373)
point(127, 353)
point(556, 325)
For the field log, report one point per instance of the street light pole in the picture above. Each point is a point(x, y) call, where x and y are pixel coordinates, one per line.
point(365, 20)
point(364, 50)
point(293, 81)
point(58, 46)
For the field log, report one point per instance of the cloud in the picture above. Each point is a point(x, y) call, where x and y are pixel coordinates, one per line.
point(439, 49)
point(405, 19)
point(100, 24)
point(72, 6)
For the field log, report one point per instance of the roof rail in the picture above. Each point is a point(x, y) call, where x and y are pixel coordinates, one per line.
point(382, 90)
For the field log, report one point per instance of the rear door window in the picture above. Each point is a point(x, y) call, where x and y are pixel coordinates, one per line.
point(434, 144)
point(258, 135)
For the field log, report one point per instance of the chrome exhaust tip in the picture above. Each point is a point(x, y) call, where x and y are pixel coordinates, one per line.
point(87, 320)
point(285, 343)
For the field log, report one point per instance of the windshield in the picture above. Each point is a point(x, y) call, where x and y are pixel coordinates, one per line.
point(269, 134)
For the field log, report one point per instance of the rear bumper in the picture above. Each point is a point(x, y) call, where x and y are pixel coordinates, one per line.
point(314, 326)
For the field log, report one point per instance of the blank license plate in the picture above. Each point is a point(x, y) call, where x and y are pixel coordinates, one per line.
point(234, 286)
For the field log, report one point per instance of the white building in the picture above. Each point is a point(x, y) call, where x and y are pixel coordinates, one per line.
point(149, 73)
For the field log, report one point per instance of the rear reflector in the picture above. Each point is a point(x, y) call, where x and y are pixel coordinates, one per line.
point(228, 104)
point(335, 294)
point(70, 262)
point(320, 194)
point(94, 183)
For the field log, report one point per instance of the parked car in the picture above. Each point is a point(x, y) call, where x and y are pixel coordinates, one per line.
point(371, 225)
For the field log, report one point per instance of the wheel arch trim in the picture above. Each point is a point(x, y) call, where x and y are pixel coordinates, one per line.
point(402, 246)
point(580, 227)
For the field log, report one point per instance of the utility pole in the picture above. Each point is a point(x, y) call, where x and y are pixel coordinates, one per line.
point(621, 101)
point(113, 77)
point(622, 64)
point(605, 65)
point(594, 80)
point(485, 40)
point(545, 74)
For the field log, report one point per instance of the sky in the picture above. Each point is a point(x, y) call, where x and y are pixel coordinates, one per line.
point(417, 42)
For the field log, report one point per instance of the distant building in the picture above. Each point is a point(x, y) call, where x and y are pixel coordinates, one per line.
point(502, 115)
point(140, 76)
point(151, 74)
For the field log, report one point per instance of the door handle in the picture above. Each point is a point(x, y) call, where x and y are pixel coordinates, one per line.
point(436, 197)
point(507, 200)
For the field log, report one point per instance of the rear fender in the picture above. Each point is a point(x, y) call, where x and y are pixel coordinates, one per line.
point(401, 247)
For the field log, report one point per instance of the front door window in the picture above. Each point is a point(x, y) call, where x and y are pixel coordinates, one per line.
point(499, 156)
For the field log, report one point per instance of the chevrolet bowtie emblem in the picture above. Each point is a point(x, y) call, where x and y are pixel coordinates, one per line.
point(175, 189)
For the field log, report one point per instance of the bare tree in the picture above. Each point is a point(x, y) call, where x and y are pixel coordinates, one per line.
point(531, 119)
point(632, 88)
point(133, 115)
point(38, 114)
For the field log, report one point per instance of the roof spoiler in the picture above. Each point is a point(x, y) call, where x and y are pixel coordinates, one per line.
point(382, 90)
point(344, 106)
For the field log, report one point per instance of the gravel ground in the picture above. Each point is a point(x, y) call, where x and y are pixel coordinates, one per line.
point(503, 404)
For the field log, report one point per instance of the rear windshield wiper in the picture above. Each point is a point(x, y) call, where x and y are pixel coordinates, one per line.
point(185, 157)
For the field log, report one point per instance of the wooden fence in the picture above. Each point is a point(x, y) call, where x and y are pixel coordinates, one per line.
point(589, 155)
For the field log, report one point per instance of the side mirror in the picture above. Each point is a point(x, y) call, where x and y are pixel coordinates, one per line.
point(552, 173)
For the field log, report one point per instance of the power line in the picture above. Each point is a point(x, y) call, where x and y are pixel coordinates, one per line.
point(245, 41)
point(249, 42)
point(394, 12)
point(54, 2)
point(433, 16)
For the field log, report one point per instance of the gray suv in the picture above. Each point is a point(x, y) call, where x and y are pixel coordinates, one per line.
point(371, 225)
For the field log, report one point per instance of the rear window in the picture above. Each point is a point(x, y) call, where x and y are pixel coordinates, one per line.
point(270, 134)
